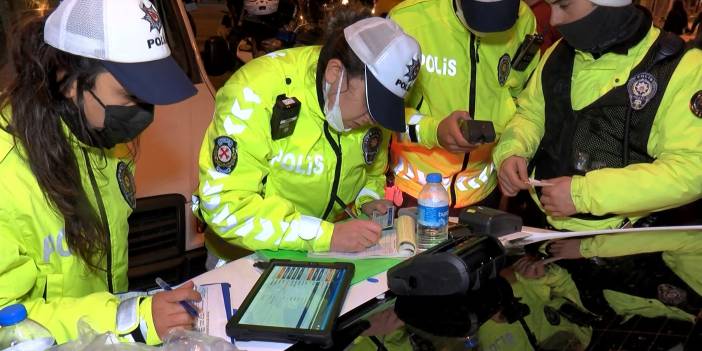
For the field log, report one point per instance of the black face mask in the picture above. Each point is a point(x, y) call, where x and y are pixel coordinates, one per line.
point(122, 123)
point(602, 29)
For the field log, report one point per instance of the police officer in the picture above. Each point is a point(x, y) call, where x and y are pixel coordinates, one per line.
point(609, 124)
point(296, 140)
point(86, 79)
point(554, 305)
point(469, 71)
point(617, 143)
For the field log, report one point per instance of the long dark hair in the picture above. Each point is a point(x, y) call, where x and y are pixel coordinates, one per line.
point(39, 107)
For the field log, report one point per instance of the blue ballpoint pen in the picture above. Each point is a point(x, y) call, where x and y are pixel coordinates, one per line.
point(188, 307)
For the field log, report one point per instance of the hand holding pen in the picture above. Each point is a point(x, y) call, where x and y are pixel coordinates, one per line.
point(168, 311)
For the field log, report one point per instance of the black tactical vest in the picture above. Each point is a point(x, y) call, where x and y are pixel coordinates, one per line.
point(609, 133)
point(643, 275)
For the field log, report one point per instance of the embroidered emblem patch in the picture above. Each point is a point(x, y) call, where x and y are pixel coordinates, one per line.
point(224, 154)
point(504, 66)
point(642, 87)
point(125, 179)
point(151, 16)
point(371, 144)
point(696, 104)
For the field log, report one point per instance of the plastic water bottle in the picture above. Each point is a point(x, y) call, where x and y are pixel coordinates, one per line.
point(18, 333)
point(432, 213)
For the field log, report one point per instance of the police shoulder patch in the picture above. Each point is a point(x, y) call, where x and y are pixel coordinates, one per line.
point(125, 179)
point(552, 315)
point(696, 103)
point(504, 66)
point(224, 154)
point(371, 144)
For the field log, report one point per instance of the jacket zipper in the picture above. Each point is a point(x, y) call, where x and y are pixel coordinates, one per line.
point(337, 169)
point(103, 217)
point(474, 59)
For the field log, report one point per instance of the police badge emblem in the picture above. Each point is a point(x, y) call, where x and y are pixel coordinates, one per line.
point(371, 144)
point(642, 87)
point(671, 295)
point(412, 70)
point(151, 16)
point(125, 179)
point(224, 154)
point(504, 66)
point(552, 315)
point(696, 104)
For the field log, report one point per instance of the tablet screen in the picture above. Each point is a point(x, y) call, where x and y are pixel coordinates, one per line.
point(296, 297)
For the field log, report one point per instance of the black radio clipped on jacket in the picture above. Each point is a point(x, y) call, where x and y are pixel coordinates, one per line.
point(526, 52)
point(285, 113)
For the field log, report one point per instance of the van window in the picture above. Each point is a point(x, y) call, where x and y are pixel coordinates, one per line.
point(177, 36)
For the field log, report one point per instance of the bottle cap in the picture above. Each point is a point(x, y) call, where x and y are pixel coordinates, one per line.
point(434, 178)
point(12, 315)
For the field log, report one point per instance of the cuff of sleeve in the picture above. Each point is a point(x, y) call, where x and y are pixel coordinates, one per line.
point(587, 248)
point(537, 286)
point(578, 192)
point(146, 322)
point(506, 149)
point(523, 285)
point(428, 129)
point(499, 155)
point(127, 318)
point(365, 196)
point(529, 281)
point(323, 241)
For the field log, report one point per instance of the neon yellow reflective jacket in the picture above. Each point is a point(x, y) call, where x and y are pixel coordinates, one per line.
point(261, 193)
point(681, 252)
point(37, 268)
point(450, 56)
point(673, 179)
point(544, 296)
point(396, 340)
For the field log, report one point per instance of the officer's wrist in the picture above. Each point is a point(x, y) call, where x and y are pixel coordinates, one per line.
point(578, 194)
point(323, 241)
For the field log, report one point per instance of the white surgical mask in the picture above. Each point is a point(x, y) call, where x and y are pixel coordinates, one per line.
point(333, 114)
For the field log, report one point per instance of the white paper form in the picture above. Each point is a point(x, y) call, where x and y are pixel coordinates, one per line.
point(215, 309)
point(530, 235)
point(385, 248)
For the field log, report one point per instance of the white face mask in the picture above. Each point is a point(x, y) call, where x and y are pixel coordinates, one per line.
point(333, 114)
